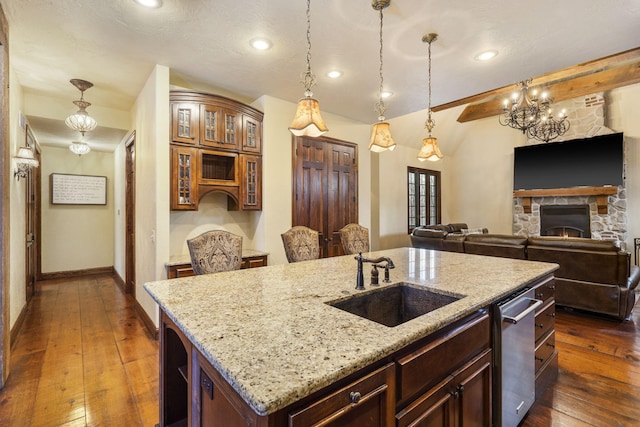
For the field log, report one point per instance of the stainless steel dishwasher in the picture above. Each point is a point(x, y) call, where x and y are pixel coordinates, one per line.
point(514, 356)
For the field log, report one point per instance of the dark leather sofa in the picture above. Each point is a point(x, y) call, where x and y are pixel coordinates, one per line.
point(594, 275)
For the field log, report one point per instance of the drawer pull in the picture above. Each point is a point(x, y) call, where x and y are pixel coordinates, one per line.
point(540, 325)
point(541, 359)
point(551, 345)
point(553, 314)
point(552, 287)
point(355, 396)
point(455, 394)
point(539, 295)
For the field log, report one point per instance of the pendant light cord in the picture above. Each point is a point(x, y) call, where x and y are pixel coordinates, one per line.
point(308, 78)
point(380, 107)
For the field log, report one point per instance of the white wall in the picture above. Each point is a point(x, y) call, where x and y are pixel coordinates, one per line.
point(119, 208)
point(151, 122)
point(76, 237)
point(17, 276)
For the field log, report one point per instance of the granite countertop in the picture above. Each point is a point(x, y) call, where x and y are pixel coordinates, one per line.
point(186, 258)
point(270, 334)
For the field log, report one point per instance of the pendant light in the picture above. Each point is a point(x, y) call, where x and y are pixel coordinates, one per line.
point(307, 121)
point(81, 121)
point(381, 139)
point(430, 150)
point(79, 147)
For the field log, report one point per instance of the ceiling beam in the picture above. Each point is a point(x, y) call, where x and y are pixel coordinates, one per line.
point(490, 103)
point(568, 89)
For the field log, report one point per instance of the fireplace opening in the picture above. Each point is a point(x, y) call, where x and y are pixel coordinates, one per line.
point(565, 220)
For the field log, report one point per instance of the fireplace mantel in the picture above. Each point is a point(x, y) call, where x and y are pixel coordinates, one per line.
point(601, 194)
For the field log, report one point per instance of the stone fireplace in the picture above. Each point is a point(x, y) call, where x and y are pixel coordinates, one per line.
point(604, 214)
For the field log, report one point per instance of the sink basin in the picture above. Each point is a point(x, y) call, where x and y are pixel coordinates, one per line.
point(394, 305)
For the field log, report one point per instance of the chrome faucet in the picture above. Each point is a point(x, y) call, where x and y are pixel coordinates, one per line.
point(374, 276)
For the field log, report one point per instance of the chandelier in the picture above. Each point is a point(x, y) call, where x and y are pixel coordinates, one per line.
point(381, 139)
point(79, 147)
point(430, 150)
point(81, 121)
point(532, 115)
point(550, 127)
point(307, 121)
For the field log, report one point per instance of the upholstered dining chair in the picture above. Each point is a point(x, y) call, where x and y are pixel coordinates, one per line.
point(301, 244)
point(215, 251)
point(354, 238)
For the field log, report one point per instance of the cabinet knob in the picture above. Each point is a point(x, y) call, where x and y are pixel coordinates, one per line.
point(539, 295)
point(540, 325)
point(551, 345)
point(541, 359)
point(552, 314)
point(355, 396)
point(455, 394)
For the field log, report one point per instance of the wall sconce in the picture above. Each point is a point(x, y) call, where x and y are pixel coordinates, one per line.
point(23, 162)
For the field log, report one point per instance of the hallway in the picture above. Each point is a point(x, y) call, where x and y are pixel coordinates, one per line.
point(82, 358)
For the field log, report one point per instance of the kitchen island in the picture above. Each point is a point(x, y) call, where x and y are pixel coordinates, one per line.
point(268, 342)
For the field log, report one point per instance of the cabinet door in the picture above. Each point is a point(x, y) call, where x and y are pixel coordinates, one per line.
point(369, 401)
point(251, 135)
point(472, 392)
point(251, 182)
point(183, 178)
point(184, 123)
point(219, 128)
point(433, 409)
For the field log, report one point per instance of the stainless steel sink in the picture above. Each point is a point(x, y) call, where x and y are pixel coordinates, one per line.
point(396, 304)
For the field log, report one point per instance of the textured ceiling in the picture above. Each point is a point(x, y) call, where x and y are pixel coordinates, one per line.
point(116, 43)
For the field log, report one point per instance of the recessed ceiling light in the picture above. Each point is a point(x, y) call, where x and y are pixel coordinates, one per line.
point(149, 3)
point(487, 55)
point(260, 44)
point(386, 94)
point(334, 74)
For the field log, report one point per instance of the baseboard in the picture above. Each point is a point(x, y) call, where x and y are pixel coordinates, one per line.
point(119, 281)
point(18, 325)
point(146, 320)
point(75, 273)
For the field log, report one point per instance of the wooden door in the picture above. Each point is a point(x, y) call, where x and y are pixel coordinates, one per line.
point(325, 190)
point(130, 243)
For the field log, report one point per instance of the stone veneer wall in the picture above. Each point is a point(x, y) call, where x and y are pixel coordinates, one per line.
point(586, 117)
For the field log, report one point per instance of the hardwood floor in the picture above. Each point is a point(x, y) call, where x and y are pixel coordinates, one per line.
point(599, 376)
point(84, 358)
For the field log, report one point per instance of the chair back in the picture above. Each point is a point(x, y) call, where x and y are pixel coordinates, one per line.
point(215, 251)
point(354, 238)
point(301, 244)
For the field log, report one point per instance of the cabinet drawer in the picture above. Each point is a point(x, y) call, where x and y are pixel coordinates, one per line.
point(545, 319)
point(371, 396)
point(427, 365)
point(545, 291)
point(545, 350)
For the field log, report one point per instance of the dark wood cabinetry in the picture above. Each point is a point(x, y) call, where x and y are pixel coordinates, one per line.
point(368, 401)
point(184, 269)
point(216, 145)
point(451, 377)
point(444, 380)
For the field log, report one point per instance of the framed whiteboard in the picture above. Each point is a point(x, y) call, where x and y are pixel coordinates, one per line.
point(66, 189)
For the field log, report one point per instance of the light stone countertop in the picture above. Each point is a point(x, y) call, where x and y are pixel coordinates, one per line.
point(270, 334)
point(186, 258)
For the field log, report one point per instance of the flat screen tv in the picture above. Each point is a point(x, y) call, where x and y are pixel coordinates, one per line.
point(588, 162)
